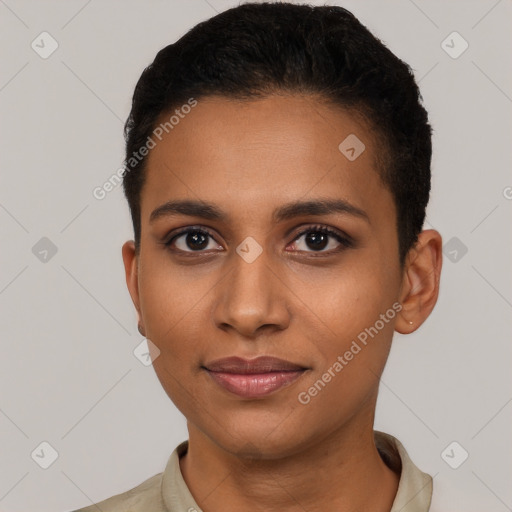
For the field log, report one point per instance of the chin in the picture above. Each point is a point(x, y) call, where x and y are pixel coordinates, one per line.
point(263, 440)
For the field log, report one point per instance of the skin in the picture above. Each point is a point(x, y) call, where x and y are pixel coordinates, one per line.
point(292, 302)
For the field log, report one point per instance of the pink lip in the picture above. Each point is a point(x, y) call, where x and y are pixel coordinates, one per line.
point(253, 378)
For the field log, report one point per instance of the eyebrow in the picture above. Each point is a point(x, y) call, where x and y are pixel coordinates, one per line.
point(210, 211)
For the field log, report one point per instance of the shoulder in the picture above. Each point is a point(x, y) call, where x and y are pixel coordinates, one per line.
point(156, 494)
point(146, 496)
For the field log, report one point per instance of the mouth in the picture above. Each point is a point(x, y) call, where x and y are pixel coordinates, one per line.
point(253, 378)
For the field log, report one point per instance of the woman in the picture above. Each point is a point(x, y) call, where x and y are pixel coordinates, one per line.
point(277, 172)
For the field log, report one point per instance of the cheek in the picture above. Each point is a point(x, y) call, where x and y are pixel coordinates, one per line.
point(172, 310)
point(346, 301)
point(171, 298)
point(351, 338)
point(351, 347)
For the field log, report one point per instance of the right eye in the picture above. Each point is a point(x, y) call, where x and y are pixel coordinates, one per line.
point(191, 240)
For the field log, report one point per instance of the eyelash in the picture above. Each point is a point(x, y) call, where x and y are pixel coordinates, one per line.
point(345, 241)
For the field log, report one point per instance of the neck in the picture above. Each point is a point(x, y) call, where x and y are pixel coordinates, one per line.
point(342, 472)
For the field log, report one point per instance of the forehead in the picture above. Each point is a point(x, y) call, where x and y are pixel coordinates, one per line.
point(262, 152)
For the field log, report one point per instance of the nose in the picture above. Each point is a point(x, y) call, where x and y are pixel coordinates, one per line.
point(252, 298)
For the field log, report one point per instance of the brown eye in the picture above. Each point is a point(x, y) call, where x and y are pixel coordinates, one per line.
point(192, 240)
point(319, 238)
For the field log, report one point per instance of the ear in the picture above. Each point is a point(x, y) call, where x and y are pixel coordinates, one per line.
point(420, 282)
point(130, 259)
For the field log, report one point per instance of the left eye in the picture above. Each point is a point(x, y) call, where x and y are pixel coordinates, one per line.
point(318, 239)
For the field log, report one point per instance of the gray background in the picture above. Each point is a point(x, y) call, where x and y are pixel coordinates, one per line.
point(68, 375)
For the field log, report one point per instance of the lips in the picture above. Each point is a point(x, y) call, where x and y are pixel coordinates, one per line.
point(262, 364)
point(253, 378)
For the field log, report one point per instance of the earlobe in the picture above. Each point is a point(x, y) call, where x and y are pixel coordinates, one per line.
point(420, 288)
point(130, 260)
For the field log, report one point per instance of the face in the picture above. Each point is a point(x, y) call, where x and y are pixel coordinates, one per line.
point(284, 248)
